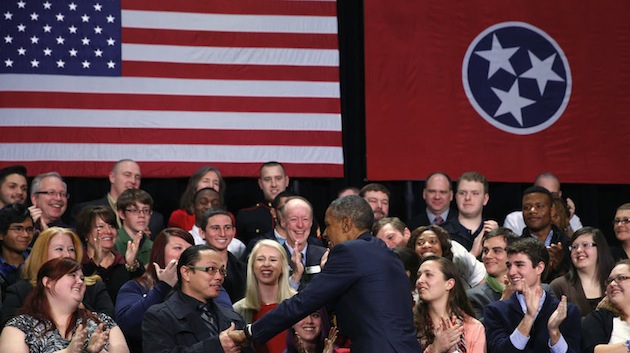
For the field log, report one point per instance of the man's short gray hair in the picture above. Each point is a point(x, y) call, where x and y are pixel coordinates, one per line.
point(354, 207)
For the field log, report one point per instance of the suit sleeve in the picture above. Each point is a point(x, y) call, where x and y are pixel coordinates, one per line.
point(339, 274)
point(132, 304)
point(572, 330)
point(99, 300)
point(595, 330)
point(498, 332)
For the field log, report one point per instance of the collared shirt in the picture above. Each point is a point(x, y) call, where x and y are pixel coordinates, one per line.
point(432, 217)
point(9, 273)
point(196, 235)
point(520, 341)
point(547, 240)
point(112, 204)
point(279, 238)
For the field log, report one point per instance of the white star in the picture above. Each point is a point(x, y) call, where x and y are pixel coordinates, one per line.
point(110, 19)
point(47, 5)
point(111, 41)
point(86, 64)
point(61, 63)
point(98, 30)
point(47, 52)
point(85, 18)
point(85, 41)
point(34, 40)
point(98, 53)
point(542, 71)
point(8, 63)
point(34, 16)
point(60, 17)
point(47, 29)
point(60, 40)
point(98, 7)
point(73, 52)
point(512, 102)
point(8, 16)
point(72, 29)
point(21, 51)
point(21, 27)
point(111, 65)
point(72, 6)
point(8, 39)
point(21, 5)
point(34, 63)
point(498, 57)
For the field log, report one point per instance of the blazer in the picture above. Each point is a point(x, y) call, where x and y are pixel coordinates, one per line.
point(156, 222)
point(314, 255)
point(366, 285)
point(502, 317)
point(596, 329)
point(481, 296)
point(175, 326)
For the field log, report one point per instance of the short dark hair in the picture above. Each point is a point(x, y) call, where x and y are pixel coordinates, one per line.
point(129, 197)
point(189, 257)
point(533, 248)
point(87, 219)
point(508, 235)
point(284, 194)
point(12, 169)
point(211, 212)
point(200, 191)
point(411, 263)
point(271, 164)
point(374, 187)
point(355, 208)
point(539, 190)
point(394, 221)
point(12, 213)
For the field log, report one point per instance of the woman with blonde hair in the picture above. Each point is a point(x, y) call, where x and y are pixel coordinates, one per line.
point(267, 286)
point(52, 243)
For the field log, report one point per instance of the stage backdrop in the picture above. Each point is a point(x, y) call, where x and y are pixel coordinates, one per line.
point(508, 88)
point(170, 84)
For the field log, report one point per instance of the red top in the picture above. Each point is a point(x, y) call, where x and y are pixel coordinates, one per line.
point(275, 345)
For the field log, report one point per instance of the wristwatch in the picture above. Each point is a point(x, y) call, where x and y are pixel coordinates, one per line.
point(248, 331)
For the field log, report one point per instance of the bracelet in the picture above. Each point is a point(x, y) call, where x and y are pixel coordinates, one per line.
point(628, 345)
point(134, 266)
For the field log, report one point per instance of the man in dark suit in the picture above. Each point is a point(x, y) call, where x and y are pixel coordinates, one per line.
point(189, 320)
point(297, 219)
point(438, 194)
point(125, 175)
point(362, 281)
point(531, 320)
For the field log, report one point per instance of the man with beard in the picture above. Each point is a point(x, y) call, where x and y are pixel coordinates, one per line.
point(13, 185)
point(377, 196)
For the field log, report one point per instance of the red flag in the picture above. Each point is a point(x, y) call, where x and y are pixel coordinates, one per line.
point(510, 89)
point(170, 84)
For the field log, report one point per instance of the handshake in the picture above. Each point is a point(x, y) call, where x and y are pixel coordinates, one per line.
point(232, 340)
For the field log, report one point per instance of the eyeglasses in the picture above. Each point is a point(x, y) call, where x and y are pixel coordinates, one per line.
point(620, 220)
point(63, 195)
point(584, 246)
point(22, 229)
point(136, 211)
point(618, 279)
point(210, 269)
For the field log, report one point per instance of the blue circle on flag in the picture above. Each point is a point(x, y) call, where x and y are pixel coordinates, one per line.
point(517, 77)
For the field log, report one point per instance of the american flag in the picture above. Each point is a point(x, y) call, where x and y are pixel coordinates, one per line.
point(170, 84)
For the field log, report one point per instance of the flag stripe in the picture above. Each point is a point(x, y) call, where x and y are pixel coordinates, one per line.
point(173, 103)
point(229, 22)
point(229, 39)
point(166, 152)
point(236, 72)
point(174, 136)
point(218, 55)
point(250, 7)
point(164, 119)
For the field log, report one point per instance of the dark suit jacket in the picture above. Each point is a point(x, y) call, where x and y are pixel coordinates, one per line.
point(270, 235)
point(236, 280)
point(175, 326)
point(596, 329)
point(156, 223)
point(481, 296)
point(367, 287)
point(502, 317)
point(423, 220)
point(558, 236)
point(314, 255)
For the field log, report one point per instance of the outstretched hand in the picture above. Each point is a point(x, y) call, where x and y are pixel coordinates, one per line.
point(558, 316)
point(227, 342)
point(329, 342)
point(168, 274)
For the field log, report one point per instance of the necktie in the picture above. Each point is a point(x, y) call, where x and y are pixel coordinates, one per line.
point(438, 220)
point(208, 319)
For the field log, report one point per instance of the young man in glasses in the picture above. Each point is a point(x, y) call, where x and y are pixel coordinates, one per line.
point(134, 207)
point(531, 319)
point(190, 320)
point(16, 233)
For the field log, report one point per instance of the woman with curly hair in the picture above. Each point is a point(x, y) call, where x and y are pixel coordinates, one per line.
point(435, 240)
point(444, 317)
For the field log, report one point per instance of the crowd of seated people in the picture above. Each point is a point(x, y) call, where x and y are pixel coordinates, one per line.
point(541, 282)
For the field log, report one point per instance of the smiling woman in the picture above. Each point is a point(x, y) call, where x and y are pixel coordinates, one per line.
point(41, 329)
